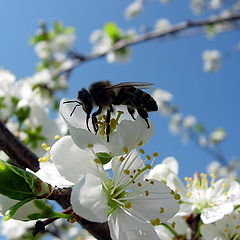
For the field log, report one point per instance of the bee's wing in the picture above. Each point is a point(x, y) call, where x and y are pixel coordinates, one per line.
point(131, 84)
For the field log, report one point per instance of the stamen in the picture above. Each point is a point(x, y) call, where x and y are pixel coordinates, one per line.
point(90, 145)
point(141, 151)
point(140, 143)
point(56, 137)
point(155, 222)
point(161, 210)
point(173, 225)
point(125, 150)
point(155, 154)
point(126, 171)
point(127, 205)
point(148, 157)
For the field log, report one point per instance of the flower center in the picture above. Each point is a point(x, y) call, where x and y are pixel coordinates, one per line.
point(114, 122)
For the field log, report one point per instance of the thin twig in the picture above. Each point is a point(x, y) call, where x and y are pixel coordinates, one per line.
point(171, 31)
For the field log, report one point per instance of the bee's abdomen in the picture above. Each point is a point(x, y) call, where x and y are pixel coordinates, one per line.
point(147, 101)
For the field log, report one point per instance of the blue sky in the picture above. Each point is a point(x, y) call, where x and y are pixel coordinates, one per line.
point(174, 65)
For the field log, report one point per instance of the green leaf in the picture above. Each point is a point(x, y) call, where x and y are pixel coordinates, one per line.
point(112, 30)
point(69, 30)
point(12, 210)
point(39, 38)
point(16, 183)
point(22, 113)
point(58, 27)
point(104, 157)
point(199, 128)
point(46, 211)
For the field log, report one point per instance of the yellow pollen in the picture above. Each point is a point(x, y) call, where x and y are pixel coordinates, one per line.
point(44, 159)
point(188, 185)
point(126, 171)
point(125, 150)
point(172, 192)
point(213, 176)
point(173, 225)
point(121, 159)
point(90, 145)
point(155, 154)
point(148, 166)
point(225, 229)
point(237, 227)
point(155, 222)
point(44, 145)
point(188, 194)
point(152, 182)
point(56, 137)
point(48, 149)
point(148, 157)
point(177, 196)
point(140, 143)
point(141, 151)
point(97, 160)
point(139, 184)
point(161, 210)
point(223, 185)
point(147, 193)
point(127, 205)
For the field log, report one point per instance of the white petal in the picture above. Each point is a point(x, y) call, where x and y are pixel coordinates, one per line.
point(70, 160)
point(78, 118)
point(210, 215)
point(124, 226)
point(172, 164)
point(82, 138)
point(148, 206)
point(88, 199)
point(49, 173)
point(210, 232)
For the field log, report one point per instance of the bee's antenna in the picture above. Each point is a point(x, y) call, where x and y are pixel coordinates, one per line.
point(77, 105)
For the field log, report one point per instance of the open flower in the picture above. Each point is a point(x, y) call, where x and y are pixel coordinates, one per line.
point(224, 229)
point(131, 204)
point(213, 201)
point(125, 133)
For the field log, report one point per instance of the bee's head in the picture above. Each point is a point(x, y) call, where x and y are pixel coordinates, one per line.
point(85, 99)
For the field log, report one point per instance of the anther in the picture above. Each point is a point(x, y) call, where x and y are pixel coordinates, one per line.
point(140, 143)
point(139, 184)
point(161, 210)
point(173, 225)
point(155, 222)
point(152, 182)
point(126, 171)
point(155, 154)
point(127, 205)
point(141, 151)
point(148, 157)
point(56, 137)
point(125, 150)
point(146, 193)
point(90, 145)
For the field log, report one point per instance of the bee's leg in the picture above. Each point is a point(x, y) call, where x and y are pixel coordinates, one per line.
point(94, 119)
point(108, 120)
point(144, 114)
point(87, 120)
point(131, 111)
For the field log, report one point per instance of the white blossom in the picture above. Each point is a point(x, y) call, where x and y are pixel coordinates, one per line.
point(42, 49)
point(218, 135)
point(15, 229)
point(175, 123)
point(189, 121)
point(212, 60)
point(213, 201)
point(163, 98)
point(215, 4)
point(224, 229)
point(180, 227)
point(162, 24)
point(133, 9)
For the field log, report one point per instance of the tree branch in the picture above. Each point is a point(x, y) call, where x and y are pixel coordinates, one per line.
point(24, 158)
point(173, 30)
point(19, 153)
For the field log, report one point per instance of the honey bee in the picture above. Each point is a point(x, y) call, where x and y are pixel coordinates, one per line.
point(105, 95)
